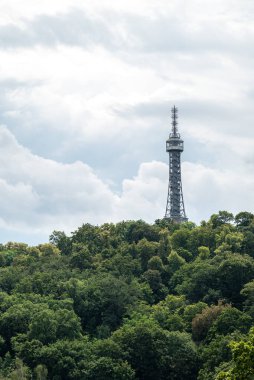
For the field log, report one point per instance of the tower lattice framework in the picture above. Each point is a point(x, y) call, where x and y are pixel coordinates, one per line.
point(174, 146)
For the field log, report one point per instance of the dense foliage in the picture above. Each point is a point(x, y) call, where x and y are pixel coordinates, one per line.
point(131, 301)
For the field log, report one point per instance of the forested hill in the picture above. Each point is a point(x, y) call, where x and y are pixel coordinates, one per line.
point(131, 301)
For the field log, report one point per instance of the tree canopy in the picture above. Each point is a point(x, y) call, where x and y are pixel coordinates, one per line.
point(131, 301)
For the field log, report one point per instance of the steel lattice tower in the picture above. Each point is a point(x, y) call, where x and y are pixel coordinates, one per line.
point(174, 146)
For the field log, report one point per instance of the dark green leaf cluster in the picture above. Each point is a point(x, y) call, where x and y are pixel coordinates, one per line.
point(131, 301)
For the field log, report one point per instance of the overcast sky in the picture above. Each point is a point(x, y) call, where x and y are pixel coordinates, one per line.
point(85, 98)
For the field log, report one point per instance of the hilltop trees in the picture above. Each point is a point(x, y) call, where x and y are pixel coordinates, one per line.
point(131, 301)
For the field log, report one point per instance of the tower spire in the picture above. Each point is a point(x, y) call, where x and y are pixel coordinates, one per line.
point(174, 115)
point(174, 146)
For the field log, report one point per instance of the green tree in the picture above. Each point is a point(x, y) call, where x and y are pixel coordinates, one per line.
point(102, 300)
point(221, 277)
point(139, 230)
point(26, 349)
point(81, 257)
point(105, 368)
point(89, 236)
point(223, 217)
point(203, 252)
point(248, 293)
point(48, 249)
point(43, 326)
point(242, 366)
point(61, 241)
point(167, 318)
point(154, 280)
point(180, 238)
point(41, 372)
point(164, 244)
point(64, 358)
point(48, 325)
point(16, 319)
point(190, 312)
point(146, 250)
point(21, 371)
point(174, 262)
point(244, 219)
point(230, 320)
point(155, 353)
point(215, 354)
point(233, 272)
point(196, 280)
point(202, 322)
point(155, 263)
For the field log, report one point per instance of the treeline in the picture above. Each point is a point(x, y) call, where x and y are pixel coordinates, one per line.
point(131, 301)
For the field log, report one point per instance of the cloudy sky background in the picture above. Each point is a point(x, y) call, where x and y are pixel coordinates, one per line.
point(86, 89)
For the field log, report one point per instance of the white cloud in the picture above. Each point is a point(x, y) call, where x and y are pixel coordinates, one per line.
point(73, 90)
point(93, 81)
point(144, 196)
point(41, 195)
point(208, 190)
point(44, 194)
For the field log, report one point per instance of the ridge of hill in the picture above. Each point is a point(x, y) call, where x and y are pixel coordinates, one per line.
point(131, 301)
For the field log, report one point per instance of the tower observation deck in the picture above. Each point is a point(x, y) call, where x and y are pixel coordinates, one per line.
point(174, 146)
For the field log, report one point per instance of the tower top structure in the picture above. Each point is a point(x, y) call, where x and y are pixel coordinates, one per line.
point(174, 115)
point(174, 146)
